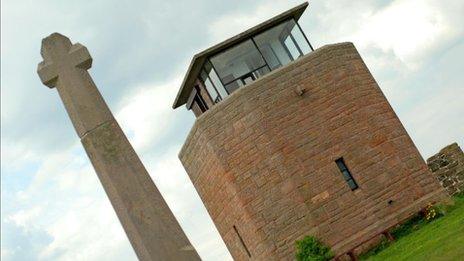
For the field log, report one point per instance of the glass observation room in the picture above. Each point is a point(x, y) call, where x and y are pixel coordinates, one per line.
point(230, 65)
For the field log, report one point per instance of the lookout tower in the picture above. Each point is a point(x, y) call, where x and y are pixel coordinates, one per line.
point(217, 72)
point(290, 141)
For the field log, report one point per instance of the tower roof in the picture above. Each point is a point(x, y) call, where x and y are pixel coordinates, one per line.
point(199, 58)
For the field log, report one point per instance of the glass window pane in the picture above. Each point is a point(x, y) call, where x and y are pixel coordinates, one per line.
point(341, 165)
point(290, 45)
point(200, 102)
point(261, 72)
point(272, 45)
point(203, 76)
point(300, 40)
point(232, 86)
point(215, 79)
point(210, 88)
point(346, 174)
point(211, 74)
point(248, 79)
point(270, 56)
point(352, 184)
point(208, 76)
point(237, 61)
point(207, 67)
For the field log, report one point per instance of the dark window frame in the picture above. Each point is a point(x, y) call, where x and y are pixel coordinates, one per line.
point(247, 74)
point(197, 98)
point(218, 97)
point(208, 59)
point(239, 77)
point(346, 174)
point(201, 103)
point(275, 55)
point(200, 100)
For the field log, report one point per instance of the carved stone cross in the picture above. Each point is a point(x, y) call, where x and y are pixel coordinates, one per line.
point(65, 67)
point(149, 223)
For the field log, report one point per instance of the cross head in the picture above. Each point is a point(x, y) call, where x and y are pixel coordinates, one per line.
point(60, 55)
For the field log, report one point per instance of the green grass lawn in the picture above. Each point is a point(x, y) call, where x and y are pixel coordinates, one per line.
point(441, 239)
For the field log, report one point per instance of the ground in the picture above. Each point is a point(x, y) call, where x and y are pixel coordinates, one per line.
point(441, 239)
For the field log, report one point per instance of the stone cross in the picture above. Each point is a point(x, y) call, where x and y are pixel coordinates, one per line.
point(149, 223)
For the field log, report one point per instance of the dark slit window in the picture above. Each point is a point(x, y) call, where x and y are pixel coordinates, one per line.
point(346, 174)
point(200, 101)
point(241, 241)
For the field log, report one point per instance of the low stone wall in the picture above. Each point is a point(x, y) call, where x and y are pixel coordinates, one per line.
point(448, 167)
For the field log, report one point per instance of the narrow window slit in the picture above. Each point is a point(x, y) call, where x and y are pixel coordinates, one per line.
point(243, 243)
point(346, 174)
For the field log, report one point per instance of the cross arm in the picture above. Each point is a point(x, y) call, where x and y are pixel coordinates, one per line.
point(80, 56)
point(48, 74)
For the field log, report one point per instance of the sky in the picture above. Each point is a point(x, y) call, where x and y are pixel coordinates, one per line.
point(53, 206)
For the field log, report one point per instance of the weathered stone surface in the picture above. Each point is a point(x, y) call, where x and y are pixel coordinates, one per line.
point(448, 166)
point(263, 160)
point(150, 225)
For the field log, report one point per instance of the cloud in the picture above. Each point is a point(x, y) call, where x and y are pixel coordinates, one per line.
point(53, 205)
point(24, 217)
point(411, 35)
point(66, 202)
point(146, 130)
point(172, 180)
point(433, 116)
point(66, 205)
point(233, 23)
point(147, 114)
point(22, 244)
point(87, 231)
point(436, 120)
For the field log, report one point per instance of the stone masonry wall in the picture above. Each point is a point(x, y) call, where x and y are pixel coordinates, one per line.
point(263, 159)
point(448, 167)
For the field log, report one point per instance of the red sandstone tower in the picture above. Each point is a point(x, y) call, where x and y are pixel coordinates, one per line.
point(291, 141)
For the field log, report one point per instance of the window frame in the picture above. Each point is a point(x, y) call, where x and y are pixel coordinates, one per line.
point(218, 97)
point(266, 64)
point(346, 174)
point(197, 99)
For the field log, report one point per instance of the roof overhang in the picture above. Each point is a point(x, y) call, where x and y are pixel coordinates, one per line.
point(199, 59)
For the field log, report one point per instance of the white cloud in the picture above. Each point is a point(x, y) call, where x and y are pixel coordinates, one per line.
point(408, 31)
point(25, 217)
point(15, 155)
point(147, 114)
point(234, 23)
point(410, 28)
point(436, 120)
point(65, 200)
point(178, 191)
point(87, 231)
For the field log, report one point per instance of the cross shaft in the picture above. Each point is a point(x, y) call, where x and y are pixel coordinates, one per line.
point(149, 223)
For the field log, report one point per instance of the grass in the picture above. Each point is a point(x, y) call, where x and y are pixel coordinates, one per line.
point(440, 239)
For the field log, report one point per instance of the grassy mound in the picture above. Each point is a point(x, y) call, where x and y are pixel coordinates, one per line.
point(440, 239)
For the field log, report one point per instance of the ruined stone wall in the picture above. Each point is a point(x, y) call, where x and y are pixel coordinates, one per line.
point(263, 160)
point(448, 167)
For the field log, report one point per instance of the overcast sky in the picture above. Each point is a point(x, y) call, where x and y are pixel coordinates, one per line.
point(53, 206)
